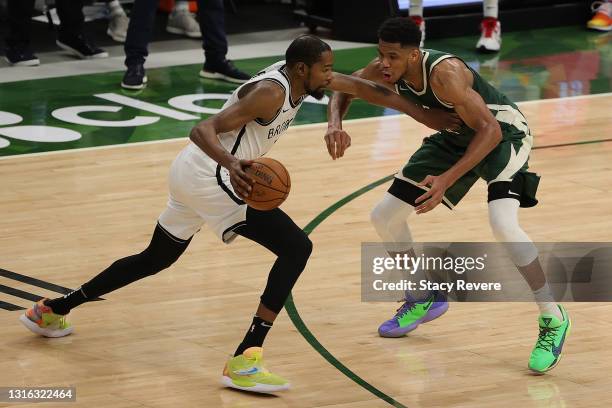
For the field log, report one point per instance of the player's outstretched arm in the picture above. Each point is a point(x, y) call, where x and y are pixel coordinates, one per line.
point(336, 139)
point(262, 100)
point(452, 83)
point(375, 94)
point(367, 84)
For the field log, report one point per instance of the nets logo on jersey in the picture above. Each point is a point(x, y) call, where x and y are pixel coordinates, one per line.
point(275, 131)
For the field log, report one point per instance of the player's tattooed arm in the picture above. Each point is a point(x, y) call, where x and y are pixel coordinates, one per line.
point(452, 83)
point(260, 101)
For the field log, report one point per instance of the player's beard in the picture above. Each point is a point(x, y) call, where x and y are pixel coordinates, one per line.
point(318, 93)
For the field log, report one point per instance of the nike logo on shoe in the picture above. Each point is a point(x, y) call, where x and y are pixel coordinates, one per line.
point(556, 350)
point(429, 303)
point(252, 370)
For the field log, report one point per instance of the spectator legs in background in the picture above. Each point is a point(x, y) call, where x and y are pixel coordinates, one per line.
point(212, 24)
point(70, 35)
point(118, 21)
point(18, 50)
point(490, 28)
point(416, 14)
point(140, 31)
point(181, 21)
point(602, 19)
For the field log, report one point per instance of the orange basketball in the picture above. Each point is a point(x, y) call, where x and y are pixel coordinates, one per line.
point(272, 184)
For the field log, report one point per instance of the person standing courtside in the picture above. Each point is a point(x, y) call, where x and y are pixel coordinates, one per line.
point(69, 37)
point(211, 15)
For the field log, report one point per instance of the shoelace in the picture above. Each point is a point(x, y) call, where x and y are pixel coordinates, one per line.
point(489, 25)
point(405, 308)
point(62, 321)
point(80, 40)
point(136, 70)
point(230, 64)
point(417, 20)
point(546, 338)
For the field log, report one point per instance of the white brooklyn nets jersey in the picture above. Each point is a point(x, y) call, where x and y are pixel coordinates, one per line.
point(200, 189)
point(256, 138)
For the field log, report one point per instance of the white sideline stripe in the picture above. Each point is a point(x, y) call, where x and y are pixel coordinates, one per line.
point(297, 127)
point(154, 60)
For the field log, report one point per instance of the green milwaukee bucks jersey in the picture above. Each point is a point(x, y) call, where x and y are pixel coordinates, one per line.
point(511, 120)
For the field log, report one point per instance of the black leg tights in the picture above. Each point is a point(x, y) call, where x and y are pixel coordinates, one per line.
point(278, 233)
point(162, 252)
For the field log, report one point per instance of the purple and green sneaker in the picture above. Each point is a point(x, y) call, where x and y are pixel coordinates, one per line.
point(412, 313)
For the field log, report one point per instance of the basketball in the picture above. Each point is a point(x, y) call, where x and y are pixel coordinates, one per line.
point(271, 186)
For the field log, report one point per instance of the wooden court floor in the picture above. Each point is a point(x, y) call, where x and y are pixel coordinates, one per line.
point(162, 342)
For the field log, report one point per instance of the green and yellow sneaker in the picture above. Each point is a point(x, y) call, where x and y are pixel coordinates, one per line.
point(40, 319)
point(547, 351)
point(247, 372)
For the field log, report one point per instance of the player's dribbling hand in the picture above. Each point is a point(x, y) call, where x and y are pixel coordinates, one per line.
point(439, 119)
point(241, 182)
point(337, 141)
point(438, 186)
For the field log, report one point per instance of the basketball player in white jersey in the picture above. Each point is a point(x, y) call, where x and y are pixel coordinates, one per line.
point(207, 186)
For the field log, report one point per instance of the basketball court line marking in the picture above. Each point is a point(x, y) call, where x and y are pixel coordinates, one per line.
point(298, 127)
point(290, 306)
point(299, 324)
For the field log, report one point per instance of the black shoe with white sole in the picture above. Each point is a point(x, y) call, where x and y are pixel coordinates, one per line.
point(80, 47)
point(135, 77)
point(21, 57)
point(224, 70)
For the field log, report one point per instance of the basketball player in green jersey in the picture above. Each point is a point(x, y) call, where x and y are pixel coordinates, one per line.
point(493, 144)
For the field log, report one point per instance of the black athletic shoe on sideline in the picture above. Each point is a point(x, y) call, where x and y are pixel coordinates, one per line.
point(80, 47)
point(21, 57)
point(224, 70)
point(135, 77)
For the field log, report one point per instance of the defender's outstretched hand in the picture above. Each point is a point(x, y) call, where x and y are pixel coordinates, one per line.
point(337, 141)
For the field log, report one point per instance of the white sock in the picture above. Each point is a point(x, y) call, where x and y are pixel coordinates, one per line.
point(181, 5)
point(546, 303)
point(490, 8)
point(416, 8)
point(115, 7)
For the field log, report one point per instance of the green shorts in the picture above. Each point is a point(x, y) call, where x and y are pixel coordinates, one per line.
point(508, 162)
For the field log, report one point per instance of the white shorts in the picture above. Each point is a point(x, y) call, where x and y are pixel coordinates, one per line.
point(201, 193)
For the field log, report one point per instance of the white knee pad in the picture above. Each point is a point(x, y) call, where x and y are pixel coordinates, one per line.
point(389, 219)
point(503, 217)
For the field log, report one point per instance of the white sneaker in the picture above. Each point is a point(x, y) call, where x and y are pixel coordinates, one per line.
point(183, 23)
point(418, 20)
point(602, 20)
point(117, 26)
point(490, 38)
